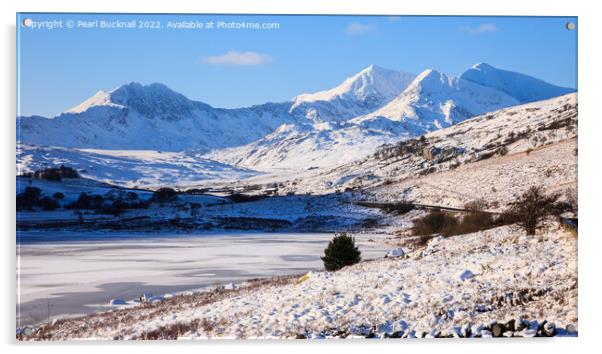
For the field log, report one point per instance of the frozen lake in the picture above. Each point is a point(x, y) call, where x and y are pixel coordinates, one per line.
point(64, 277)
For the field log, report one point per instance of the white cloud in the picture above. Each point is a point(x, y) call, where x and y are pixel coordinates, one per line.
point(234, 57)
point(356, 28)
point(482, 28)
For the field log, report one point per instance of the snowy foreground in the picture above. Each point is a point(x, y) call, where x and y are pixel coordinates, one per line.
point(458, 286)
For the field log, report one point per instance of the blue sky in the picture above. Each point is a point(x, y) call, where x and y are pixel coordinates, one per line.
point(59, 68)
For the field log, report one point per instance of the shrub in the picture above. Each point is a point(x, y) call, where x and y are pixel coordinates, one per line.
point(476, 205)
point(29, 198)
point(58, 196)
point(49, 204)
point(87, 201)
point(165, 194)
point(472, 222)
point(434, 222)
point(437, 222)
point(506, 218)
point(119, 206)
point(244, 198)
point(341, 252)
point(53, 173)
point(533, 207)
point(132, 196)
point(572, 200)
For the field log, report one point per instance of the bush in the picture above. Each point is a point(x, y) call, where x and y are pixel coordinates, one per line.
point(165, 194)
point(341, 252)
point(132, 196)
point(435, 222)
point(472, 222)
point(506, 218)
point(53, 173)
point(29, 198)
point(58, 196)
point(476, 205)
point(87, 201)
point(533, 207)
point(121, 205)
point(244, 198)
point(49, 204)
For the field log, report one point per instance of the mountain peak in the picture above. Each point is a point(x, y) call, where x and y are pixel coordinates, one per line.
point(520, 86)
point(373, 82)
point(100, 98)
point(136, 89)
point(430, 78)
point(373, 68)
point(153, 101)
point(482, 66)
point(429, 73)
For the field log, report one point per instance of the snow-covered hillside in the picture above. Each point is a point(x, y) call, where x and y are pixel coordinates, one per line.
point(130, 168)
point(454, 287)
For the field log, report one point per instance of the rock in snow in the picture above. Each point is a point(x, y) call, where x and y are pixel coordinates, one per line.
point(466, 275)
point(155, 299)
point(395, 253)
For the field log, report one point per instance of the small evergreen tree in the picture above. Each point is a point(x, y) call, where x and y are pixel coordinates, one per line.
point(341, 252)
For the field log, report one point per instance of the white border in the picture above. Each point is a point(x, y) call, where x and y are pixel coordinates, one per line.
point(590, 118)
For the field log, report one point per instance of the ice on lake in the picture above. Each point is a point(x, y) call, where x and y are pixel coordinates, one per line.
point(66, 276)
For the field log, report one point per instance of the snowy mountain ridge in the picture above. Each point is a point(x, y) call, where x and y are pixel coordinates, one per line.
point(435, 100)
point(322, 129)
point(360, 94)
point(524, 88)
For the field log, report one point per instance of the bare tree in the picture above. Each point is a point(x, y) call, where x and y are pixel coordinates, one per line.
point(532, 207)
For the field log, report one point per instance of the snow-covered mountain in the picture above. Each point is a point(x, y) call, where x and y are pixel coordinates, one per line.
point(373, 107)
point(152, 117)
point(435, 100)
point(360, 94)
point(522, 87)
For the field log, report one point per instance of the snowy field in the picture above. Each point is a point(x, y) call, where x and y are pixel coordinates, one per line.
point(452, 287)
point(68, 278)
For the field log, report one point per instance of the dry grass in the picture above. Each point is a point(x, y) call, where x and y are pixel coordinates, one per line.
point(123, 320)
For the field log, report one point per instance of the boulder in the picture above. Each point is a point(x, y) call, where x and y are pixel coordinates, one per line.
point(396, 253)
point(117, 302)
point(549, 329)
point(497, 330)
point(155, 299)
point(466, 275)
